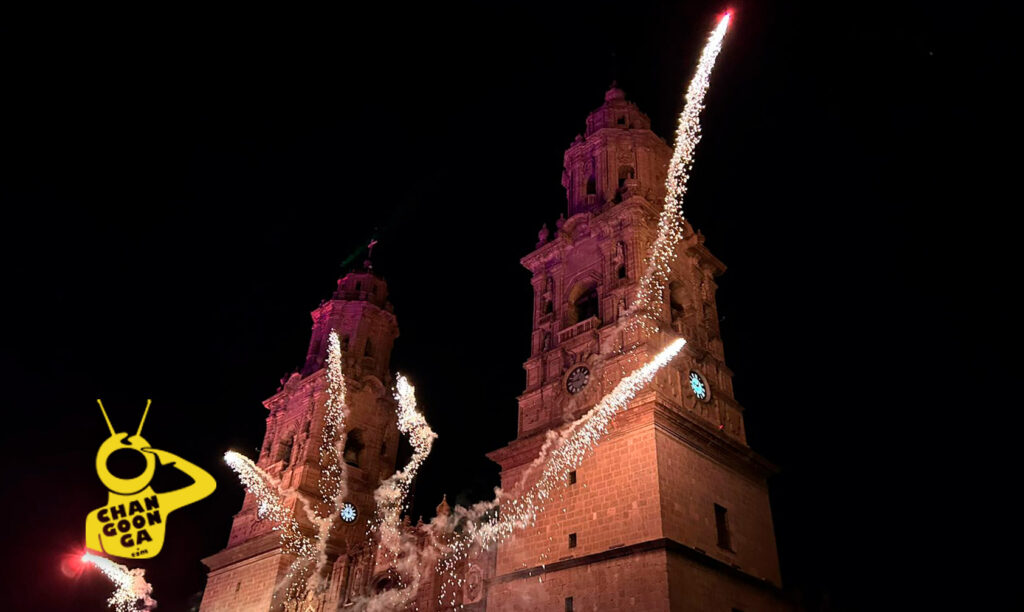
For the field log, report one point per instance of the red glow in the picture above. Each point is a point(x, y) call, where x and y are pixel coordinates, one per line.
point(726, 16)
point(73, 564)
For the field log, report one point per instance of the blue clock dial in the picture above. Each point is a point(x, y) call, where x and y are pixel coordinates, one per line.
point(699, 386)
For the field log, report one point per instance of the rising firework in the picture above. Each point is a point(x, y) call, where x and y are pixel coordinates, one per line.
point(131, 591)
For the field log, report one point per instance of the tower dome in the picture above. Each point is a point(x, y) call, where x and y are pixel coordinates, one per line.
point(617, 158)
point(614, 93)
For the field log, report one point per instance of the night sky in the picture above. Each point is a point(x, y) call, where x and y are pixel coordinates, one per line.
point(180, 190)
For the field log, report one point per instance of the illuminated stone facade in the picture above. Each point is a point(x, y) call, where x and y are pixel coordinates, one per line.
point(670, 512)
point(244, 575)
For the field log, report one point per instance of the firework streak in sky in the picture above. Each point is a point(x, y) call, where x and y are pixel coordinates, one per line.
point(574, 443)
point(670, 225)
point(130, 587)
point(563, 452)
point(311, 552)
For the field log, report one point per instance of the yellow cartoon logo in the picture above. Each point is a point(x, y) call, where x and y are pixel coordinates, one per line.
point(133, 523)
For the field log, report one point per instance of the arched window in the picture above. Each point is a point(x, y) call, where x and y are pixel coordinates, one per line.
point(353, 447)
point(677, 305)
point(284, 449)
point(591, 186)
point(625, 173)
point(677, 297)
point(386, 582)
point(368, 350)
point(583, 302)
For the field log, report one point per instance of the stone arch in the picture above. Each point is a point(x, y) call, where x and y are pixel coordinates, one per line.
point(679, 302)
point(583, 301)
point(626, 172)
point(353, 447)
point(284, 447)
point(386, 581)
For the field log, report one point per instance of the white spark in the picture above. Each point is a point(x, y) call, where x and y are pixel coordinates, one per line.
point(391, 496)
point(310, 551)
point(579, 438)
point(130, 587)
point(651, 289)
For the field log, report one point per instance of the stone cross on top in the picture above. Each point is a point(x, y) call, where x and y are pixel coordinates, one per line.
point(368, 264)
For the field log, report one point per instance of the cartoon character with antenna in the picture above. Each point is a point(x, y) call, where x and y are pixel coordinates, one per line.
point(134, 521)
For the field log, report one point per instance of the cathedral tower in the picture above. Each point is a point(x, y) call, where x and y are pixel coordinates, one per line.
point(670, 511)
point(244, 575)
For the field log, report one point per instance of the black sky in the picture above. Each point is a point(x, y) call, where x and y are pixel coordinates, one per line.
point(180, 189)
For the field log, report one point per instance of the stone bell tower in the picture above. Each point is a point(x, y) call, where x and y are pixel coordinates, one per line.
point(244, 575)
point(670, 511)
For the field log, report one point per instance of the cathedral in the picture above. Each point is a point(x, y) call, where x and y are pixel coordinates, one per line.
point(669, 512)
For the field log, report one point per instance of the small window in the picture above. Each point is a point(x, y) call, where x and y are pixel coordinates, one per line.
point(568, 604)
point(368, 350)
point(238, 587)
point(359, 285)
point(591, 186)
point(583, 302)
point(572, 540)
point(625, 173)
point(722, 526)
point(353, 447)
point(621, 121)
point(284, 449)
point(572, 477)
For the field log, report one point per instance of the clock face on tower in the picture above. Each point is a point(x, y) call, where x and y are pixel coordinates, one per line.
point(348, 513)
point(578, 378)
point(699, 386)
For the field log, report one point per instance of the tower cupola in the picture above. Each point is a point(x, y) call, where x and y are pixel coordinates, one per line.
point(616, 158)
point(360, 312)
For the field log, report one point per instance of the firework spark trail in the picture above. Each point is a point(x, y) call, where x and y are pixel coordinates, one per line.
point(649, 296)
point(391, 496)
point(563, 451)
point(392, 493)
point(578, 439)
point(332, 468)
point(130, 586)
point(311, 552)
point(332, 482)
point(269, 503)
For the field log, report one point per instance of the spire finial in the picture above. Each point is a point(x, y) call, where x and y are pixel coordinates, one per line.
point(443, 509)
point(614, 93)
point(368, 264)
